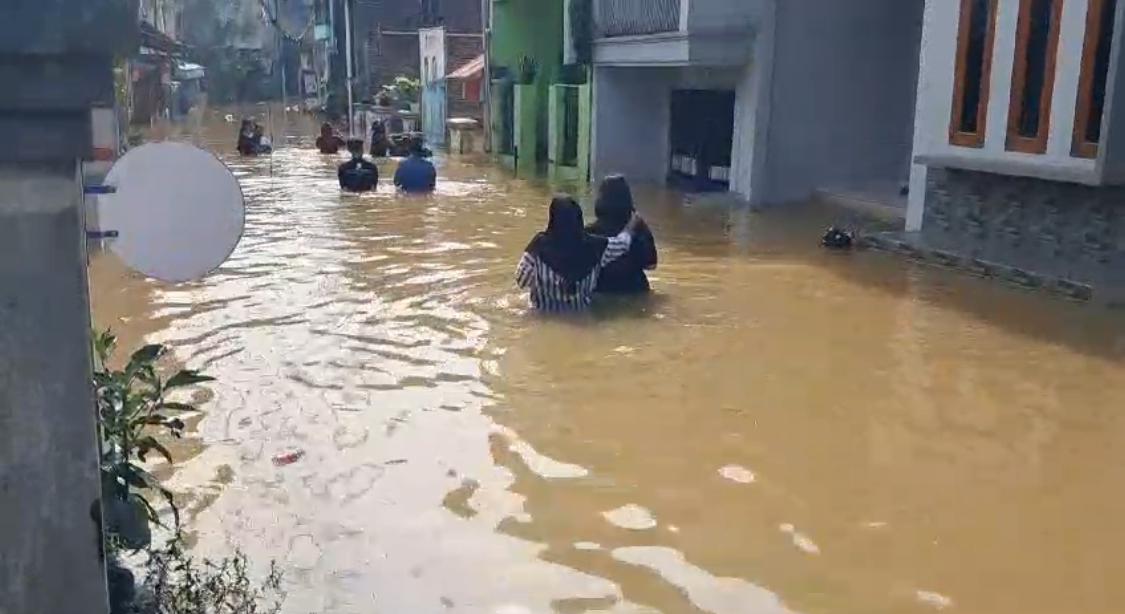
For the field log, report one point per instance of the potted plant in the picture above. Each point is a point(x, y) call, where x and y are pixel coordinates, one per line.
point(408, 90)
point(527, 71)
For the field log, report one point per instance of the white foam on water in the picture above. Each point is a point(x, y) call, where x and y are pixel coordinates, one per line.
point(632, 517)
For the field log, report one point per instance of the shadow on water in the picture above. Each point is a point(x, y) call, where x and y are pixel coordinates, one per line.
point(715, 226)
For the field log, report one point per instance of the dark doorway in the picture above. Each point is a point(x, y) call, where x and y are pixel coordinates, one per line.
point(702, 133)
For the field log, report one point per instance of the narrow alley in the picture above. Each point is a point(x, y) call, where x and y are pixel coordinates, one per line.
point(778, 429)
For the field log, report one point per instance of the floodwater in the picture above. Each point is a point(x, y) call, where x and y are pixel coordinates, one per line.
point(778, 430)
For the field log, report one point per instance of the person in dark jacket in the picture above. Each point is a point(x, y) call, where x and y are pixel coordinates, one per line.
point(614, 208)
point(246, 144)
point(357, 174)
point(379, 141)
point(416, 174)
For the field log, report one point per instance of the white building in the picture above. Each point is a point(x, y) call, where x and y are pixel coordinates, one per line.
point(989, 111)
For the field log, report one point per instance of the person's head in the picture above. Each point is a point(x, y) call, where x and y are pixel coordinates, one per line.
point(417, 148)
point(258, 130)
point(565, 221)
point(326, 129)
point(355, 147)
point(614, 205)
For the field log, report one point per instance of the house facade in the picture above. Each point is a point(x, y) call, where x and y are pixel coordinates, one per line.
point(387, 37)
point(992, 127)
point(770, 100)
point(1019, 147)
point(541, 92)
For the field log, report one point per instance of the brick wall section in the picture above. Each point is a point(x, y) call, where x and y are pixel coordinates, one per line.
point(1058, 229)
point(378, 27)
point(459, 51)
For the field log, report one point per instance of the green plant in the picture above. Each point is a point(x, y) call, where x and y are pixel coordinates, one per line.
point(132, 409)
point(408, 88)
point(528, 70)
point(176, 584)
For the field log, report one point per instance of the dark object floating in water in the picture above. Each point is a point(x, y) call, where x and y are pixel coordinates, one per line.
point(834, 238)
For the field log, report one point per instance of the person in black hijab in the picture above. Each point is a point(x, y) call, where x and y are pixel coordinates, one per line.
point(246, 144)
point(357, 174)
point(561, 265)
point(614, 209)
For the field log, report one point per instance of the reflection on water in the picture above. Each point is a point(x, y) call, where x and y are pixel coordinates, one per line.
point(778, 430)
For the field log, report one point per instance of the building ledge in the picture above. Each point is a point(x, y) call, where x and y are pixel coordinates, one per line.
point(1085, 174)
point(730, 47)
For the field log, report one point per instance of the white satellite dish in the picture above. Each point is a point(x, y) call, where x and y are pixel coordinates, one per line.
point(176, 214)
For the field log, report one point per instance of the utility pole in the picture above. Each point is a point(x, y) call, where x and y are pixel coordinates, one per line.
point(350, 67)
point(280, 55)
point(58, 56)
point(486, 86)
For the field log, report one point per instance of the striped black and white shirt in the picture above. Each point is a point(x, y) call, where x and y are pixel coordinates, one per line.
point(551, 293)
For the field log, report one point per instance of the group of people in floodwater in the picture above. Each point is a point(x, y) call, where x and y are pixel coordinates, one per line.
point(252, 140)
point(415, 173)
point(563, 267)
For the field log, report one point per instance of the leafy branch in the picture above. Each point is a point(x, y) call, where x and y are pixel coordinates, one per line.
point(132, 410)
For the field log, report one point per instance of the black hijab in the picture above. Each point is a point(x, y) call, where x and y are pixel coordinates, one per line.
point(614, 206)
point(565, 246)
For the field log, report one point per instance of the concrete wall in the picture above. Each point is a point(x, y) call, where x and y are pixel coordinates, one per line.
point(702, 15)
point(842, 95)
point(630, 131)
point(752, 109)
point(49, 486)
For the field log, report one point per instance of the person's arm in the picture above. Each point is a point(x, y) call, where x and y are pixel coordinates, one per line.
point(525, 271)
point(398, 176)
point(431, 179)
point(645, 247)
point(618, 246)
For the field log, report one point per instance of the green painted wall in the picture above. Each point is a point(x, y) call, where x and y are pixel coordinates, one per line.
point(531, 28)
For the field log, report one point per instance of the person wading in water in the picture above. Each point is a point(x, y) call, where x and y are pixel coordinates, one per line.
point(357, 174)
point(328, 142)
point(561, 265)
point(614, 209)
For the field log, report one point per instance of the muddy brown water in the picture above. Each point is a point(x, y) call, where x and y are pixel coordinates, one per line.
point(777, 430)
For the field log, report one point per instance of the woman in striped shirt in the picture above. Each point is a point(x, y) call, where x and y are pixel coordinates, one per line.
point(561, 265)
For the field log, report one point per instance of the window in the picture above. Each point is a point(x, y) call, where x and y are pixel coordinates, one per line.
point(1033, 76)
point(1091, 85)
point(974, 69)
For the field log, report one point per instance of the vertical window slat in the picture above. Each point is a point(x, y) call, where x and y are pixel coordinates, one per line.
point(976, 33)
point(1091, 86)
point(1033, 75)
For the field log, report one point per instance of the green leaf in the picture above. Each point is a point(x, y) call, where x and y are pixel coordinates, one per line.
point(146, 444)
point(104, 343)
point(139, 478)
point(146, 355)
point(186, 377)
point(178, 406)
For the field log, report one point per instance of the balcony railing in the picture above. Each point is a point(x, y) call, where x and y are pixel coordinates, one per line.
point(637, 17)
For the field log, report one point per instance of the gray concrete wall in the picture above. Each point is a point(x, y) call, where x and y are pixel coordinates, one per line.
point(49, 542)
point(842, 94)
point(630, 131)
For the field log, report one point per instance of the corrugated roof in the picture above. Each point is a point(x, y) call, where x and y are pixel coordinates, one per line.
point(472, 69)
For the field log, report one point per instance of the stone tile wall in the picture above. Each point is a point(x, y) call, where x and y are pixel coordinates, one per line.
point(1059, 230)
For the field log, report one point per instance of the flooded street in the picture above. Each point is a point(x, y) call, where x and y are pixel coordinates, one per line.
point(778, 430)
